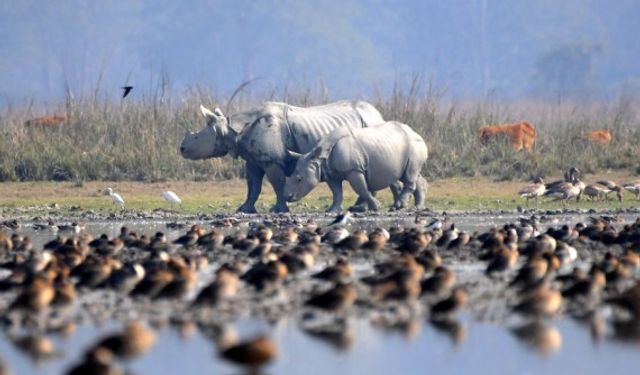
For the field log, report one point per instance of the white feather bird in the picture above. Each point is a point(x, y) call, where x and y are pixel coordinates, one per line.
point(172, 198)
point(116, 198)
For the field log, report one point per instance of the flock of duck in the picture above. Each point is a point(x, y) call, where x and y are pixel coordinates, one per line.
point(323, 273)
point(572, 187)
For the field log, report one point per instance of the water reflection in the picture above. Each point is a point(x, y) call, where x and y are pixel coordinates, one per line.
point(540, 336)
point(353, 343)
point(337, 333)
point(627, 330)
point(452, 328)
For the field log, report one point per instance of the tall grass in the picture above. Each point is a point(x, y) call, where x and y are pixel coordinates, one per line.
point(139, 139)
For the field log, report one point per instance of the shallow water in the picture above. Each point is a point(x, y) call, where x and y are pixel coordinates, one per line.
point(564, 346)
point(483, 348)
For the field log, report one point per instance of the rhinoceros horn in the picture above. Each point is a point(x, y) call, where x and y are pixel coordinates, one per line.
point(293, 155)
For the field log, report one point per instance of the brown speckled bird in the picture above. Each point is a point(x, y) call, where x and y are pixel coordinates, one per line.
point(225, 286)
point(442, 281)
point(338, 298)
point(341, 271)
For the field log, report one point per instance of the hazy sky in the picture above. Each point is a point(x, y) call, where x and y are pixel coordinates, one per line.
point(471, 47)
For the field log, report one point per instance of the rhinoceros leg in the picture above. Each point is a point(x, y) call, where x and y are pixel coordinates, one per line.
point(396, 189)
point(336, 191)
point(421, 192)
point(360, 201)
point(276, 177)
point(359, 185)
point(254, 187)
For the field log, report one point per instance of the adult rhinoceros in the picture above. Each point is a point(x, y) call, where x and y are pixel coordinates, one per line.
point(263, 135)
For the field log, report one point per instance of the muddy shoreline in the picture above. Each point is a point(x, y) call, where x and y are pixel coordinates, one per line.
point(490, 297)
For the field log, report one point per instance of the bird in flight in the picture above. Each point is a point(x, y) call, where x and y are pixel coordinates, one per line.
point(127, 90)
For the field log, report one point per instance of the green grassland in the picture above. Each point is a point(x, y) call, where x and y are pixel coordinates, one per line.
point(451, 194)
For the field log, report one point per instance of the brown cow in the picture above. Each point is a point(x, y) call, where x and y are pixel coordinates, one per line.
point(520, 135)
point(602, 136)
point(47, 121)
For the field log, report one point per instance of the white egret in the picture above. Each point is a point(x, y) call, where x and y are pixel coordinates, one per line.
point(116, 198)
point(172, 198)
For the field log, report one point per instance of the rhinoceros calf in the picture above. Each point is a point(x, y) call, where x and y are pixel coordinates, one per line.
point(371, 159)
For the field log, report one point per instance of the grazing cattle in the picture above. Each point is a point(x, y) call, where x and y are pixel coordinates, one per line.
point(520, 135)
point(601, 136)
point(52, 121)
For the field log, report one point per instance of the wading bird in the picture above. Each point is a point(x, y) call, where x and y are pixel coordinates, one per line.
point(116, 198)
point(172, 198)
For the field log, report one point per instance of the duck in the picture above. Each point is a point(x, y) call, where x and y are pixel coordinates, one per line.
point(447, 236)
point(533, 191)
point(6, 244)
point(211, 240)
point(335, 235)
point(190, 239)
point(126, 278)
point(65, 293)
point(342, 219)
point(224, 286)
point(591, 287)
point(566, 191)
point(341, 271)
point(377, 240)
point(184, 280)
point(36, 296)
point(461, 241)
point(442, 281)
point(633, 187)
point(569, 176)
point(612, 186)
point(534, 270)
point(503, 259)
point(353, 241)
point(413, 241)
point(266, 276)
point(337, 299)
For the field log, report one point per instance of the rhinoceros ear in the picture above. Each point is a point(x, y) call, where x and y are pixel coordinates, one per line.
point(206, 112)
